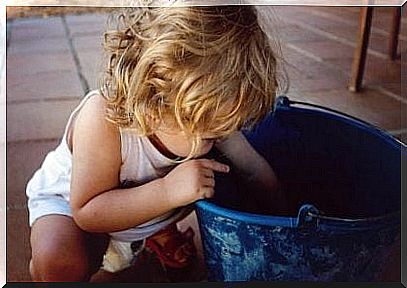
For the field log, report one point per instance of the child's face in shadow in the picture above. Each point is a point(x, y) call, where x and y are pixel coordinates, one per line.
point(178, 143)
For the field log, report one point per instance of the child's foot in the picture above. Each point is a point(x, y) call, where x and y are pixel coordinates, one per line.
point(173, 248)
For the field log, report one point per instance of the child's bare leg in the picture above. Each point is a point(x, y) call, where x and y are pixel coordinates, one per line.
point(61, 251)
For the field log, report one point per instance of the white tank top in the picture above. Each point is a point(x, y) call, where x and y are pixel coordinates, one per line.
point(141, 163)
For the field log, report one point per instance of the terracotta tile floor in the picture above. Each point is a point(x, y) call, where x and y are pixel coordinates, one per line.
point(317, 44)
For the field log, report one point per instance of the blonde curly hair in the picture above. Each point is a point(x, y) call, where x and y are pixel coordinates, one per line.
point(209, 70)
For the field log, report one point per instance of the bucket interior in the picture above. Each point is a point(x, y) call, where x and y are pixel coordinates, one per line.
point(344, 167)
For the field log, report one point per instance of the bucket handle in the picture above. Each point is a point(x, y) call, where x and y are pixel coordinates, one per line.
point(283, 100)
point(306, 216)
point(356, 220)
point(309, 217)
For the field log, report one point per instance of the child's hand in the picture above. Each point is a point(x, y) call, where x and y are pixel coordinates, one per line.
point(191, 181)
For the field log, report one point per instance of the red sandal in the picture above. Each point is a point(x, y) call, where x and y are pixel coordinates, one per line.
point(173, 248)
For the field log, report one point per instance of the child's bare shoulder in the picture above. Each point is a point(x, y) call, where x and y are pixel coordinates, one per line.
point(93, 114)
point(94, 106)
point(91, 122)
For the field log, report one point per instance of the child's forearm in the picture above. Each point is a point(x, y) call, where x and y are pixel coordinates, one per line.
point(249, 162)
point(263, 174)
point(120, 209)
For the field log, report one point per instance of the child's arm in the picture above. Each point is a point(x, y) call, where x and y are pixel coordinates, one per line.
point(252, 166)
point(97, 204)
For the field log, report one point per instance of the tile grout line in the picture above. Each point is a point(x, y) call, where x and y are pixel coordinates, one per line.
point(42, 140)
point(84, 82)
point(317, 59)
point(25, 101)
point(389, 93)
point(335, 38)
point(304, 52)
point(350, 23)
point(329, 65)
point(398, 132)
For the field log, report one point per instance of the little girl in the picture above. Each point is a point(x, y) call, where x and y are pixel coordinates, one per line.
point(132, 160)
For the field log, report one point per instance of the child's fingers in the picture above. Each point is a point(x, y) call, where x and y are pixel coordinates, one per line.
point(207, 192)
point(215, 165)
point(208, 173)
point(208, 182)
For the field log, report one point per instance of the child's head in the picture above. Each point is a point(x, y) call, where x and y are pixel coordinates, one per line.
point(205, 71)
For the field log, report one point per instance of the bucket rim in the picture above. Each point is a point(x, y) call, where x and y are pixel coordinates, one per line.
point(285, 103)
point(322, 222)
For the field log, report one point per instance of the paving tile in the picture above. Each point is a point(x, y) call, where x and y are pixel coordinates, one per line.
point(36, 22)
point(309, 74)
point(86, 24)
point(392, 88)
point(86, 18)
point(92, 66)
point(23, 159)
point(379, 32)
point(87, 30)
point(327, 49)
point(89, 43)
point(312, 66)
point(294, 73)
point(371, 106)
point(47, 120)
point(60, 85)
point(91, 59)
point(293, 56)
point(344, 64)
point(18, 245)
point(347, 16)
point(382, 17)
point(39, 28)
point(379, 42)
point(302, 14)
point(320, 84)
point(93, 77)
point(39, 46)
point(382, 71)
point(323, 71)
point(28, 64)
point(294, 33)
point(345, 13)
point(346, 32)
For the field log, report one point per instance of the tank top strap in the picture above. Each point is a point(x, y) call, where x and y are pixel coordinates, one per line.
point(126, 141)
point(76, 111)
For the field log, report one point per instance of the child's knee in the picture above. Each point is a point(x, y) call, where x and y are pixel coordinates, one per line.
point(49, 265)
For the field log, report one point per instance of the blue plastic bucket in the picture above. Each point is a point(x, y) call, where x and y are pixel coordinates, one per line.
point(342, 178)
